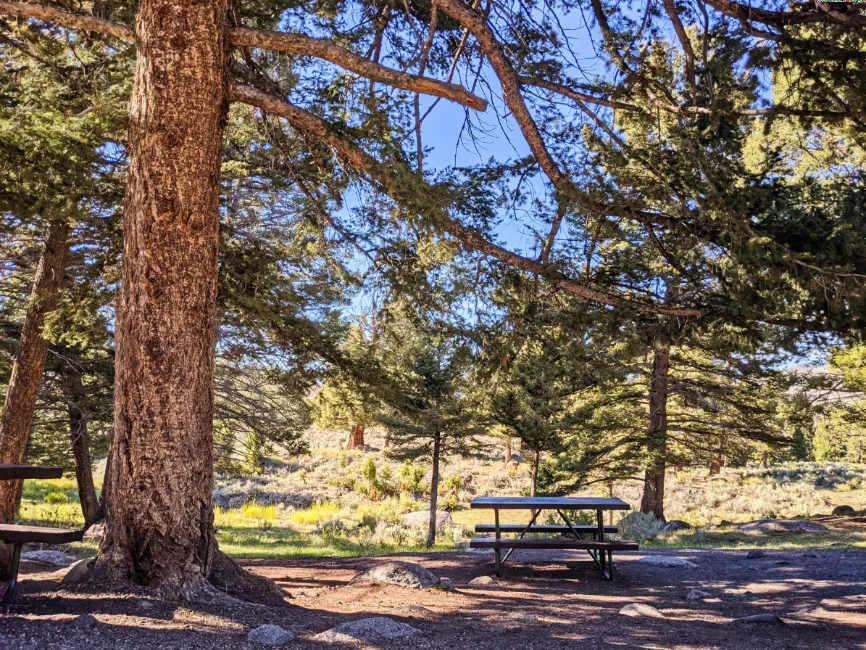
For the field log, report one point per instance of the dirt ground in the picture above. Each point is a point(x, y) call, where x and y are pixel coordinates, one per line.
point(538, 603)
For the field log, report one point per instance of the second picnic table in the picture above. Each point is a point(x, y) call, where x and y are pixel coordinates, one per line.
point(599, 548)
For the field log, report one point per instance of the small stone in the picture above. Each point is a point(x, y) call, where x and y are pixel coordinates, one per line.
point(765, 619)
point(85, 622)
point(270, 635)
point(481, 581)
point(697, 594)
point(667, 561)
point(640, 610)
point(146, 604)
point(49, 557)
point(675, 525)
point(843, 511)
point(526, 618)
point(754, 554)
point(446, 584)
point(371, 630)
point(411, 610)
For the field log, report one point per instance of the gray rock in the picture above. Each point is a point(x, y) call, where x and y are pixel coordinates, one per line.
point(55, 558)
point(754, 554)
point(85, 622)
point(371, 630)
point(668, 561)
point(76, 572)
point(697, 594)
point(640, 610)
point(782, 526)
point(412, 610)
point(421, 519)
point(770, 619)
point(404, 574)
point(843, 511)
point(95, 532)
point(270, 635)
point(481, 581)
point(145, 604)
point(526, 618)
point(445, 584)
point(676, 524)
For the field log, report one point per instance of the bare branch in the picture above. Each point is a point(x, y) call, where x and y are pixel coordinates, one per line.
point(303, 45)
point(394, 184)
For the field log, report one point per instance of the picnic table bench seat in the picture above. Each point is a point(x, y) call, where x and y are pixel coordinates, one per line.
point(546, 528)
point(17, 534)
point(554, 543)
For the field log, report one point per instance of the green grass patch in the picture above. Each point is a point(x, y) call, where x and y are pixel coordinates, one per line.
point(315, 514)
point(698, 538)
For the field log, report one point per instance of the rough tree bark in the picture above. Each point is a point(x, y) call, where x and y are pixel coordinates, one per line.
point(26, 378)
point(434, 490)
point(73, 387)
point(159, 512)
point(508, 450)
point(654, 477)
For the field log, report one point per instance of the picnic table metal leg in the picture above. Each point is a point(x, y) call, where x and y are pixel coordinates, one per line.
point(601, 555)
point(497, 553)
point(13, 576)
point(522, 533)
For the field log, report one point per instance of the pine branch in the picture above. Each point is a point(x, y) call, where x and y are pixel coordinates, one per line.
point(395, 185)
point(292, 43)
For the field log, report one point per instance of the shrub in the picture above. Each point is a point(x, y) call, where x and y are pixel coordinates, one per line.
point(368, 471)
point(639, 526)
point(411, 476)
point(316, 513)
point(56, 497)
point(454, 483)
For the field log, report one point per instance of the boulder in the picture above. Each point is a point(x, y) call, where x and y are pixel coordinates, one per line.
point(782, 526)
point(754, 554)
point(270, 635)
point(85, 622)
point(404, 574)
point(95, 532)
point(55, 558)
point(676, 524)
point(481, 581)
point(76, 572)
point(421, 519)
point(843, 511)
point(371, 630)
point(640, 610)
point(668, 561)
point(697, 594)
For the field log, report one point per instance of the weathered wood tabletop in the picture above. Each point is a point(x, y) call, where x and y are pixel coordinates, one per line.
point(14, 472)
point(550, 503)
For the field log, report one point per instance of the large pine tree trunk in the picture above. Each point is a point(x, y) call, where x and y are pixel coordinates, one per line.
point(26, 378)
point(654, 478)
point(73, 387)
point(434, 491)
point(159, 511)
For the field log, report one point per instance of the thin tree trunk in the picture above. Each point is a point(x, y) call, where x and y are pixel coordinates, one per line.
point(159, 511)
point(654, 477)
point(434, 491)
point(508, 451)
point(535, 463)
point(91, 508)
point(26, 378)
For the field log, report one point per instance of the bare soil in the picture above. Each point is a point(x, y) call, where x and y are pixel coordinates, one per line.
point(538, 603)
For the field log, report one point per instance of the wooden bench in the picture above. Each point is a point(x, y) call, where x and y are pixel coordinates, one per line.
point(562, 530)
point(18, 535)
point(596, 549)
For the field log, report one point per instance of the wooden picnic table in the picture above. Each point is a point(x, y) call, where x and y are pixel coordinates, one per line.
point(14, 472)
point(18, 535)
point(600, 549)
